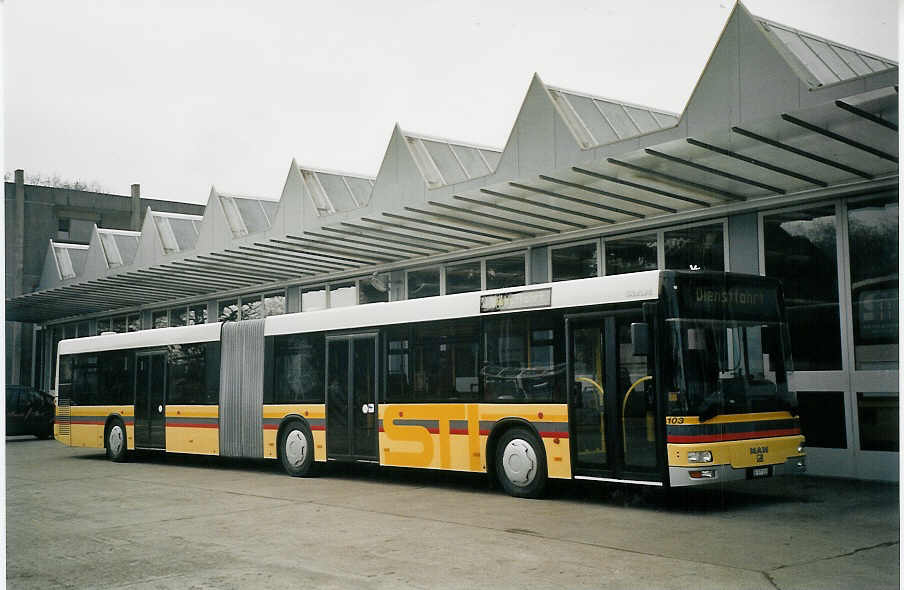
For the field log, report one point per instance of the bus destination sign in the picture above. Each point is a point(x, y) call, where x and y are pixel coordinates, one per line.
point(739, 300)
point(516, 300)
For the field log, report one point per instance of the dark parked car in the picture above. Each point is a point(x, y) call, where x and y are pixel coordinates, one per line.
point(28, 411)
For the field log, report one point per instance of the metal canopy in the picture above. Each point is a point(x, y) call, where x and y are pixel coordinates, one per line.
point(664, 171)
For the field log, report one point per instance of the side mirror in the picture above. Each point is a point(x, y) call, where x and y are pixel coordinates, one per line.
point(640, 339)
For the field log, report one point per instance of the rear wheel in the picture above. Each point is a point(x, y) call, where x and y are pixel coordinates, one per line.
point(296, 449)
point(116, 441)
point(521, 464)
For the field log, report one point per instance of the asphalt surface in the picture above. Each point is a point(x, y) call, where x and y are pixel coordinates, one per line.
point(75, 520)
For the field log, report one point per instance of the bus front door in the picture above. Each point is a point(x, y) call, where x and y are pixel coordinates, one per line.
point(351, 400)
point(150, 400)
point(611, 403)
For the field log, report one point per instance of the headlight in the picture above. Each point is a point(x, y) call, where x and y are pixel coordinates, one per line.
point(700, 457)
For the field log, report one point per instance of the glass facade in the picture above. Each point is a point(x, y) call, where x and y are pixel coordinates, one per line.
point(574, 262)
point(373, 290)
point(801, 250)
point(695, 248)
point(504, 272)
point(461, 278)
point(873, 243)
point(423, 283)
point(631, 254)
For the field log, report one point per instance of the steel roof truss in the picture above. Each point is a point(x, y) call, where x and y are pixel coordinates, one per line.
point(803, 153)
point(866, 115)
point(755, 162)
point(643, 187)
point(596, 191)
point(542, 228)
point(536, 204)
point(451, 228)
point(486, 226)
point(389, 234)
point(840, 138)
point(518, 211)
point(576, 200)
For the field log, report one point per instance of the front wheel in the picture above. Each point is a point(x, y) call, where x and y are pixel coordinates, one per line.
point(521, 464)
point(296, 449)
point(116, 442)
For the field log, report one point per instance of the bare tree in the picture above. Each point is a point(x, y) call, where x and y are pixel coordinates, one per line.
point(58, 181)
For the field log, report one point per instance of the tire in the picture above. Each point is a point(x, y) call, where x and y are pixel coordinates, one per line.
point(45, 434)
point(115, 441)
point(521, 463)
point(296, 449)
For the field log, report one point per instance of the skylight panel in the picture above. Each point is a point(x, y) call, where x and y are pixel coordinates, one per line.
point(318, 194)
point(425, 163)
point(233, 217)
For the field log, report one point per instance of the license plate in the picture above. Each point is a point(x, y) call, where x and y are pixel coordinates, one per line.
point(760, 472)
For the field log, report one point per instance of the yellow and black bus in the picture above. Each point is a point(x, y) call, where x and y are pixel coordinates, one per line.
point(659, 378)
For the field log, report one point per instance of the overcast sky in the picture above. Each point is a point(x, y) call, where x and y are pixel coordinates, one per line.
point(181, 95)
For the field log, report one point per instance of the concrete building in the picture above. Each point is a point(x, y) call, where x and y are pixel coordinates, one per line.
point(784, 162)
point(42, 218)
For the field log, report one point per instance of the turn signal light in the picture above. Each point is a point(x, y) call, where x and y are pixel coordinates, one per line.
point(703, 474)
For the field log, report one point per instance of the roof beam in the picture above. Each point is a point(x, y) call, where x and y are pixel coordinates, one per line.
point(519, 211)
point(866, 115)
point(389, 249)
point(277, 264)
point(472, 232)
point(310, 254)
point(486, 226)
point(201, 282)
point(755, 162)
point(840, 138)
point(428, 232)
point(395, 236)
point(525, 201)
point(292, 260)
point(208, 268)
point(576, 200)
point(419, 249)
point(643, 187)
point(802, 153)
point(542, 228)
point(716, 172)
point(675, 179)
point(596, 191)
point(216, 259)
point(364, 256)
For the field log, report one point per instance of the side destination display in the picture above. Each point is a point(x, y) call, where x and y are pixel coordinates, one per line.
point(516, 300)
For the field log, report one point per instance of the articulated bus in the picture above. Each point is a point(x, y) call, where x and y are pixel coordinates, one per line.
point(660, 378)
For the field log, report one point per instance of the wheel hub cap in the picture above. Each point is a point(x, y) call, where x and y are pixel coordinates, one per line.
point(116, 440)
point(519, 462)
point(296, 448)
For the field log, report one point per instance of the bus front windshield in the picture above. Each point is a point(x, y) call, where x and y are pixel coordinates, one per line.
point(727, 367)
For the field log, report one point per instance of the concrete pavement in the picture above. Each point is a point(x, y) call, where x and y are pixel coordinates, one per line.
point(75, 520)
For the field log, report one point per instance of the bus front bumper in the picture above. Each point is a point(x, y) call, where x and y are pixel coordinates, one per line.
point(708, 474)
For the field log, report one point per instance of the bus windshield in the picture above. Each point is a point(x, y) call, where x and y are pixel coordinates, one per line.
point(727, 367)
point(726, 345)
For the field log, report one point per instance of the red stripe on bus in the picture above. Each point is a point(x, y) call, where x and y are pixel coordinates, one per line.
point(697, 438)
point(95, 422)
point(276, 427)
point(191, 425)
point(553, 435)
